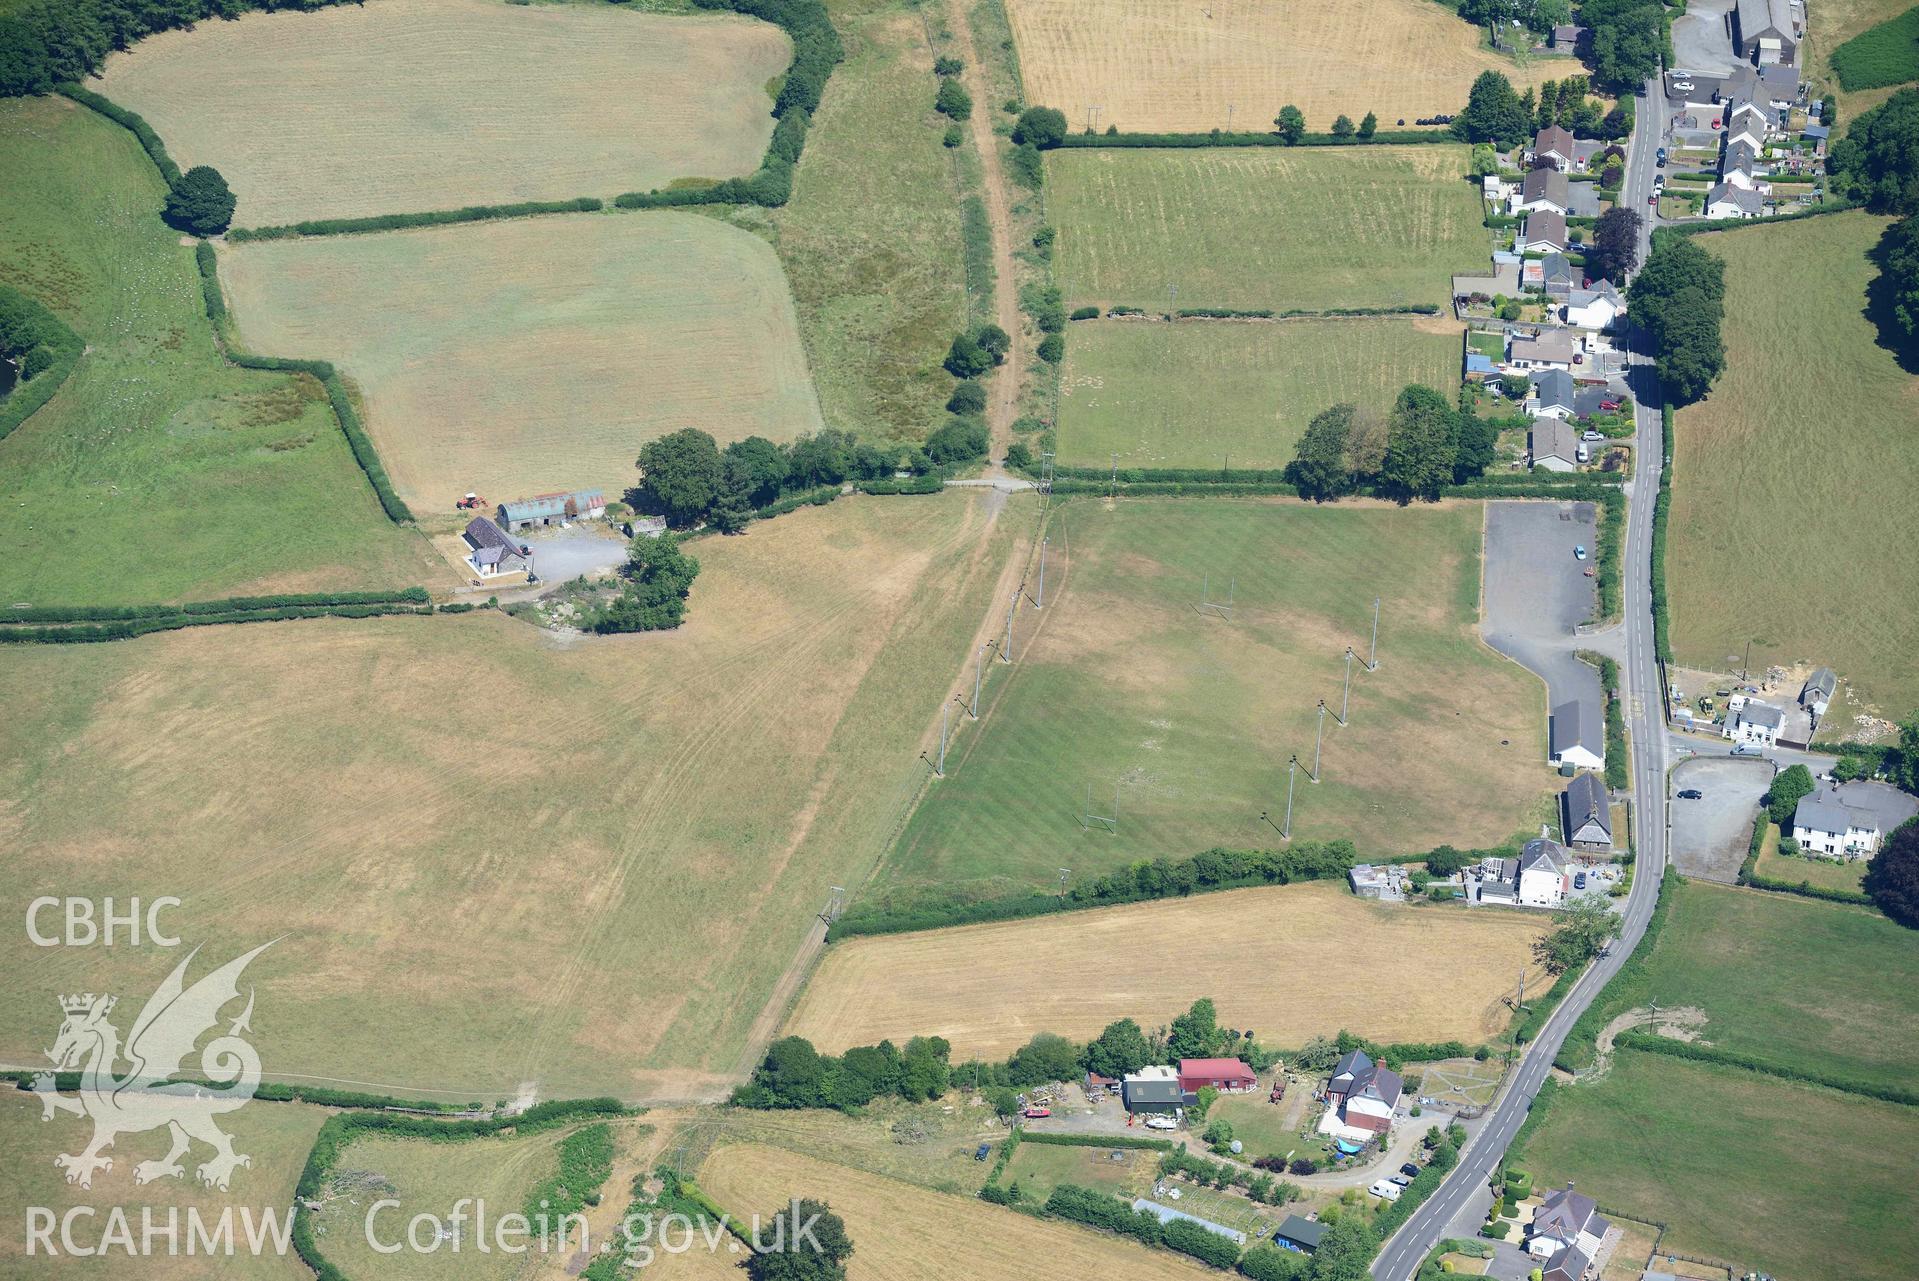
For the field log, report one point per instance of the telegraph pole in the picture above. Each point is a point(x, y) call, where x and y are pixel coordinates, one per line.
point(1006, 647)
point(979, 662)
point(1292, 773)
point(1113, 491)
point(1319, 736)
point(1039, 602)
point(946, 715)
point(1372, 664)
point(1346, 694)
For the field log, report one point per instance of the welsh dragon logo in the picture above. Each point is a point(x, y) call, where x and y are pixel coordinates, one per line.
point(144, 1097)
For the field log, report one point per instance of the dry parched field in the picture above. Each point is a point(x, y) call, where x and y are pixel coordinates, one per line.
point(1155, 65)
point(1250, 228)
point(1262, 954)
point(902, 1231)
point(432, 104)
point(535, 354)
point(489, 860)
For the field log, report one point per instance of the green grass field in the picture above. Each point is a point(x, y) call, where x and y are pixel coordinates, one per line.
point(276, 1136)
point(1263, 227)
point(1829, 987)
point(1121, 684)
point(1189, 395)
point(1762, 1173)
point(158, 473)
point(1887, 54)
point(871, 239)
point(1041, 1167)
point(1810, 424)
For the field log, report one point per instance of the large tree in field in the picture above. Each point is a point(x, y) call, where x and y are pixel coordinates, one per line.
point(1291, 123)
point(684, 474)
point(1614, 250)
point(1420, 445)
point(1898, 284)
point(1120, 1049)
point(1878, 159)
point(201, 203)
point(812, 1247)
point(1678, 299)
point(1493, 113)
point(1892, 878)
point(1319, 467)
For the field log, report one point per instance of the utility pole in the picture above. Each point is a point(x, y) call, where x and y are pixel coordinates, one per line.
point(1006, 647)
point(1319, 735)
point(1039, 602)
point(979, 662)
point(1292, 775)
point(1372, 664)
point(1065, 874)
point(1346, 693)
point(946, 716)
point(1113, 491)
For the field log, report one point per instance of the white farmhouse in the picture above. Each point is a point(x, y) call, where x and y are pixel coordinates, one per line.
point(1542, 873)
point(1755, 723)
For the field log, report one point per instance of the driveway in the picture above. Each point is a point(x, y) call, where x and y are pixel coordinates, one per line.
point(1700, 39)
point(1710, 836)
point(1536, 593)
point(587, 548)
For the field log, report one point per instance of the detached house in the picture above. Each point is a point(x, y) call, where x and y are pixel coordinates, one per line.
point(1727, 201)
point(494, 555)
point(1548, 351)
point(1554, 395)
point(1553, 444)
point(1544, 230)
point(1596, 308)
point(1542, 873)
point(1553, 146)
point(1360, 1097)
point(1566, 1220)
point(1544, 189)
point(1586, 813)
point(1756, 723)
point(1824, 824)
point(1576, 738)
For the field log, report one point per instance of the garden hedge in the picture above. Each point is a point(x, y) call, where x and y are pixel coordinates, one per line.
point(1096, 1141)
point(1749, 874)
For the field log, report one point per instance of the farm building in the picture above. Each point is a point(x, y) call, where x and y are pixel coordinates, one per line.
point(1376, 881)
point(1154, 1090)
point(1167, 1214)
point(1819, 689)
point(1575, 737)
point(1230, 1075)
point(1763, 31)
point(1587, 813)
point(1300, 1235)
point(494, 556)
point(553, 509)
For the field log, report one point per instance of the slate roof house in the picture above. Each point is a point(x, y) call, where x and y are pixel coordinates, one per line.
point(1361, 1094)
point(1825, 824)
point(1545, 229)
point(1556, 271)
point(1553, 444)
point(493, 555)
point(1740, 165)
point(1553, 145)
point(1542, 873)
point(1566, 1220)
point(1548, 351)
point(1755, 722)
point(1728, 201)
point(1763, 31)
point(1595, 309)
point(1553, 394)
point(1573, 740)
point(1544, 189)
point(1586, 813)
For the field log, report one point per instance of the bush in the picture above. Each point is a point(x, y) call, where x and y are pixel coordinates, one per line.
point(1052, 349)
point(1027, 166)
point(953, 100)
point(952, 137)
point(959, 440)
point(967, 398)
point(1040, 128)
point(1084, 313)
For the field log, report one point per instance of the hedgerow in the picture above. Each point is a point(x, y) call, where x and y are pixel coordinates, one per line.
point(45, 348)
point(133, 123)
point(1699, 1053)
point(1220, 138)
point(1582, 1038)
point(1661, 514)
point(1749, 874)
point(428, 218)
point(88, 633)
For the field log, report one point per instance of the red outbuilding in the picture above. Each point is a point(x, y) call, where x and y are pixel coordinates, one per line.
point(1221, 1074)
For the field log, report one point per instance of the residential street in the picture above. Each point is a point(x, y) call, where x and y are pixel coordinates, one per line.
point(1459, 1205)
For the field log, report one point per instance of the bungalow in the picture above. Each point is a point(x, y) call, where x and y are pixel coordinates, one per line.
point(1567, 1220)
point(1229, 1075)
point(1544, 189)
point(494, 556)
point(1595, 309)
point(1553, 444)
point(1754, 722)
point(1728, 201)
point(553, 509)
point(1548, 351)
point(1586, 813)
point(1824, 824)
point(1553, 146)
point(1360, 1097)
point(1299, 1235)
point(1554, 395)
point(1575, 739)
point(1544, 230)
point(1820, 687)
point(1763, 31)
point(1542, 873)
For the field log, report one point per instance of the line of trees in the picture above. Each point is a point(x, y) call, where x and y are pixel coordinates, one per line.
point(1421, 446)
point(1678, 298)
point(1878, 162)
point(795, 1075)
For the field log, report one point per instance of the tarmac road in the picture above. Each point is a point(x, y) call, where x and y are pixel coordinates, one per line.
point(1433, 1220)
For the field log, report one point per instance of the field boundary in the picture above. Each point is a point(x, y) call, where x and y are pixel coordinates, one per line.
point(1750, 878)
point(1220, 138)
point(31, 394)
point(81, 625)
point(1765, 1067)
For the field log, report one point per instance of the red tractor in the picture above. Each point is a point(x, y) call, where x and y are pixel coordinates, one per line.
point(472, 501)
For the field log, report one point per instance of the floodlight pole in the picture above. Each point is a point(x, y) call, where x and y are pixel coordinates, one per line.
point(1372, 664)
point(1319, 735)
point(1345, 697)
point(1039, 602)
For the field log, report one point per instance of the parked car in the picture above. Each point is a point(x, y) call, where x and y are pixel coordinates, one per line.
point(1590, 434)
point(1611, 405)
point(1680, 86)
point(979, 1153)
point(1386, 1191)
point(1653, 200)
point(1034, 1114)
point(1748, 749)
point(1579, 880)
point(1399, 1180)
point(1579, 552)
point(1691, 794)
point(1410, 1170)
point(1161, 1123)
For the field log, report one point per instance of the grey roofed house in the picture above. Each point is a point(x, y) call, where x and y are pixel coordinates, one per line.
point(1780, 81)
point(1300, 1234)
point(1588, 813)
point(1554, 388)
point(1557, 271)
point(1546, 227)
point(1552, 141)
point(1553, 440)
point(1885, 804)
point(1823, 811)
point(1571, 731)
point(1749, 203)
point(1547, 185)
point(1819, 688)
point(1564, 1214)
point(1357, 1074)
point(1742, 156)
point(1553, 348)
point(1542, 854)
point(493, 547)
point(1764, 715)
point(1565, 35)
point(1569, 1264)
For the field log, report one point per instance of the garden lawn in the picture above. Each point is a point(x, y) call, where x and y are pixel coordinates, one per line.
point(1790, 1179)
point(1821, 986)
point(1264, 227)
point(158, 472)
point(1257, 1122)
point(1812, 422)
point(1818, 872)
point(1122, 686)
point(1201, 393)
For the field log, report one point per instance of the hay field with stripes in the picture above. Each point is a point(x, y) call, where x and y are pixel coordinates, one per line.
point(410, 105)
point(536, 354)
point(1203, 393)
point(1247, 228)
point(1157, 65)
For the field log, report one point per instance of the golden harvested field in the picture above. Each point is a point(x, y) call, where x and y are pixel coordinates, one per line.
point(902, 1231)
point(1428, 974)
point(277, 1136)
point(409, 105)
point(537, 354)
point(1151, 65)
point(495, 858)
